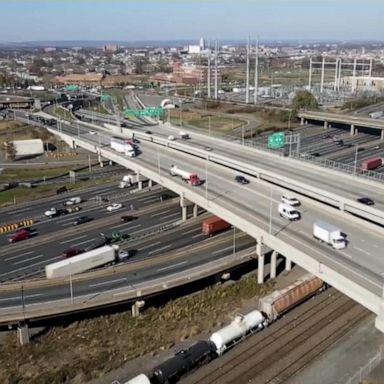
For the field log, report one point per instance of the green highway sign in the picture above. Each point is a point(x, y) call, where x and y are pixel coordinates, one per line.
point(277, 140)
point(105, 97)
point(150, 111)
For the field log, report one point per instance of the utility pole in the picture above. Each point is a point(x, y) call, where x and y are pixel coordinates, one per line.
point(310, 74)
point(216, 78)
point(256, 72)
point(209, 70)
point(322, 75)
point(247, 76)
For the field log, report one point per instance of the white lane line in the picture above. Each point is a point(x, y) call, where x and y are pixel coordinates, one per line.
point(83, 242)
point(66, 224)
point(107, 282)
point(124, 225)
point(18, 211)
point(172, 214)
point(72, 218)
point(172, 266)
point(361, 250)
point(198, 235)
point(18, 297)
point(346, 255)
point(190, 231)
point(26, 260)
point(149, 246)
point(30, 266)
point(161, 213)
point(222, 250)
point(76, 238)
point(128, 229)
point(159, 249)
point(21, 255)
point(151, 200)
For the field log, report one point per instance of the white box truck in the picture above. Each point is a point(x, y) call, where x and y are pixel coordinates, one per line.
point(329, 234)
point(83, 262)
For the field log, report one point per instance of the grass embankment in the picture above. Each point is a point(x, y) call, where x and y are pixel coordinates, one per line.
point(31, 173)
point(204, 120)
point(117, 96)
point(90, 348)
point(12, 130)
point(63, 113)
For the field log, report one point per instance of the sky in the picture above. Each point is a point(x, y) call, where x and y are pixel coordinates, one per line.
point(132, 20)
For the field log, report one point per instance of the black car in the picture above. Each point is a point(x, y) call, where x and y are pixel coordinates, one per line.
point(241, 179)
point(127, 218)
point(61, 190)
point(148, 132)
point(82, 220)
point(166, 196)
point(366, 201)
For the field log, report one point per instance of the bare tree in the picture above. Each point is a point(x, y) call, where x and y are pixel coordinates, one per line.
point(10, 150)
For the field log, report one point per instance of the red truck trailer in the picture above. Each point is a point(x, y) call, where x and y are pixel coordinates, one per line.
point(371, 163)
point(213, 225)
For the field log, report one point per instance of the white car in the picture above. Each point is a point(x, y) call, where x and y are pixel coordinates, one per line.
point(114, 207)
point(290, 200)
point(92, 132)
point(171, 138)
point(51, 212)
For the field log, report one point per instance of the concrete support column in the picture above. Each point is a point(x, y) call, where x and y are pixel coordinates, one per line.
point(352, 129)
point(302, 120)
point(140, 185)
point(260, 269)
point(288, 264)
point(379, 322)
point(136, 307)
point(195, 210)
point(273, 264)
point(150, 183)
point(23, 333)
point(325, 124)
point(184, 213)
point(382, 135)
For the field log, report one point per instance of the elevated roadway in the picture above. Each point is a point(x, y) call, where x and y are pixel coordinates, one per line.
point(355, 270)
point(353, 121)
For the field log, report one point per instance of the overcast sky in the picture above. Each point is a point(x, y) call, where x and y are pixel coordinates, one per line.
point(29, 20)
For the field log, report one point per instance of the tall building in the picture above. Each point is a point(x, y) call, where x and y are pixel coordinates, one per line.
point(202, 43)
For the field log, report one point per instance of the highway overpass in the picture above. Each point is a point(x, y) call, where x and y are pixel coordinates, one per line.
point(353, 121)
point(356, 271)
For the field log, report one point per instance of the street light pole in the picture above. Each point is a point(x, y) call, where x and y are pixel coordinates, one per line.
point(270, 211)
point(242, 134)
point(70, 282)
point(354, 168)
point(206, 178)
point(234, 241)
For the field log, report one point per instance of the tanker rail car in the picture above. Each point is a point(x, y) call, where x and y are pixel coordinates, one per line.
point(270, 308)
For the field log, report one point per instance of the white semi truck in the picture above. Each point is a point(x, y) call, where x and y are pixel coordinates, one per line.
point(329, 234)
point(123, 146)
point(189, 177)
point(95, 258)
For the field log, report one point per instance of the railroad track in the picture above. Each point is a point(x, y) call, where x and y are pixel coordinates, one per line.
point(279, 351)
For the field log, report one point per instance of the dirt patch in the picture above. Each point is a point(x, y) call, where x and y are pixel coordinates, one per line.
point(89, 349)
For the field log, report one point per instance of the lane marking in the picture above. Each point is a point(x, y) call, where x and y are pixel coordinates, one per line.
point(172, 266)
point(161, 213)
point(172, 214)
point(159, 249)
point(30, 266)
point(198, 235)
point(26, 260)
point(192, 230)
point(149, 246)
point(76, 238)
point(107, 282)
point(128, 229)
point(19, 298)
point(222, 250)
point(84, 242)
point(361, 250)
point(21, 255)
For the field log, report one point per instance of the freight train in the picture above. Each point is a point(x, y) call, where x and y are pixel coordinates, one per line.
point(270, 308)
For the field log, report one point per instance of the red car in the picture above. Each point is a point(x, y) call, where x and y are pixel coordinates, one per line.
point(19, 235)
point(72, 252)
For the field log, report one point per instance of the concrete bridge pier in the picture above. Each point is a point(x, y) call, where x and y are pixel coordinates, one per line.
point(136, 307)
point(302, 121)
point(23, 333)
point(379, 322)
point(352, 132)
point(260, 251)
point(325, 124)
point(272, 274)
point(382, 135)
point(150, 183)
point(288, 264)
point(195, 207)
point(184, 204)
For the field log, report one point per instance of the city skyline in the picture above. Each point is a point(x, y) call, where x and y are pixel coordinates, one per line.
point(186, 20)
